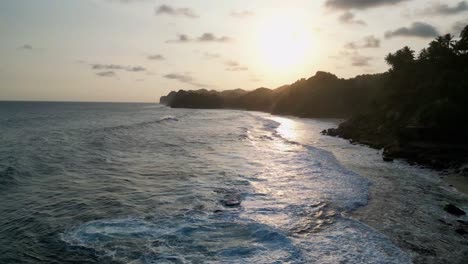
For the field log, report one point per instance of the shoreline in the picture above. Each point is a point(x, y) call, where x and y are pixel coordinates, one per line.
point(406, 202)
point(409, 209)
point(458, 182)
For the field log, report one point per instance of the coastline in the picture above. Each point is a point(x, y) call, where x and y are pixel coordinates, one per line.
point(406, 202)
point(408, 208)
point(457, 181)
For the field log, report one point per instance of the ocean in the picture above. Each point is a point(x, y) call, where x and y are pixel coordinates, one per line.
point(144, 183)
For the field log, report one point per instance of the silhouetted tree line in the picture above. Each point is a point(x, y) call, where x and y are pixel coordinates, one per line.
point(421, 112)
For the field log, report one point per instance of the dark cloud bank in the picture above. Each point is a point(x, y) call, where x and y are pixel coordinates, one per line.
point(359, 4)
point(444, 9)
point(417, 29)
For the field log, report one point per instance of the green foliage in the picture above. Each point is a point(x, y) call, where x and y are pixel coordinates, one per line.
point(429, 91)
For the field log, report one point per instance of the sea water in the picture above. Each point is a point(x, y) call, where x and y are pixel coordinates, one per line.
point(143, 183)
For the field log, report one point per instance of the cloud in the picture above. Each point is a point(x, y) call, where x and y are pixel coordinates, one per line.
point(205, 37)
point(444, 9)
point(360, 61)
point(242, 14)
point(136, 69)
point(211, 56)
point(210, 37)
point(26, 47)
point(235, 66)
point(417, 29)
point(353, 55)
point(181, 38)
point(359, 4)
point(459, 26)
point(172, 11)
point(368, 42)
point(348, 18)
point(114, 67)
point(157, 57)
point(184, 78)
point(128, 1)
point(106, 74)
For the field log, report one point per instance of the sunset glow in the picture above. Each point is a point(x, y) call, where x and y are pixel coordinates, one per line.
point(284, 42)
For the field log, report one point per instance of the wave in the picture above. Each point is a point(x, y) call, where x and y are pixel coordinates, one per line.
point(138, 125)
point(184, 241)
point(168, 118)
point(348, 190)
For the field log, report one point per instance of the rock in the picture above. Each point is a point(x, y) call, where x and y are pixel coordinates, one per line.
point(452, 209)
point(231, 200)
point(461, 231)
point(333, 132)
point(387, 158)
point(464, 172)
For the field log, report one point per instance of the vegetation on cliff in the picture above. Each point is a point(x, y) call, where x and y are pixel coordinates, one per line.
point(421, 113)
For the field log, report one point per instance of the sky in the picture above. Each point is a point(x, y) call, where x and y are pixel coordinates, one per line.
point(138, 50)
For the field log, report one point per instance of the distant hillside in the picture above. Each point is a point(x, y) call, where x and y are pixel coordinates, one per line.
point(323, 95)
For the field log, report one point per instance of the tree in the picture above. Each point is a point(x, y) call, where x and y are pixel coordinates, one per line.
point(400, 59)
point(462, 45)
point(441, 49)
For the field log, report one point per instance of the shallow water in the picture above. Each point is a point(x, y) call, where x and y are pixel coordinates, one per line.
point(142, 183)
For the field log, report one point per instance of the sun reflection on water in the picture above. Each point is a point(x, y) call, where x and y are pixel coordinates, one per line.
point(287, 129)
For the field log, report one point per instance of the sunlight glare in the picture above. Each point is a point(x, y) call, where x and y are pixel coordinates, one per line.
point(284, 41)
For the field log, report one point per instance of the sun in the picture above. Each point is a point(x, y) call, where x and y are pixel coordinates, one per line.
point(284, 42)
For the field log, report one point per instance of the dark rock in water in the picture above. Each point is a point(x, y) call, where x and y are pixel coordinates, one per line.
point(231, 200)
point(452, 209)
point(330, 132)
point(461, 231)
point(387, 159)
point(217, 211)
point(464, 172)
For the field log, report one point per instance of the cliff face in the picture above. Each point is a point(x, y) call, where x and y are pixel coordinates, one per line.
point(167, 100)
